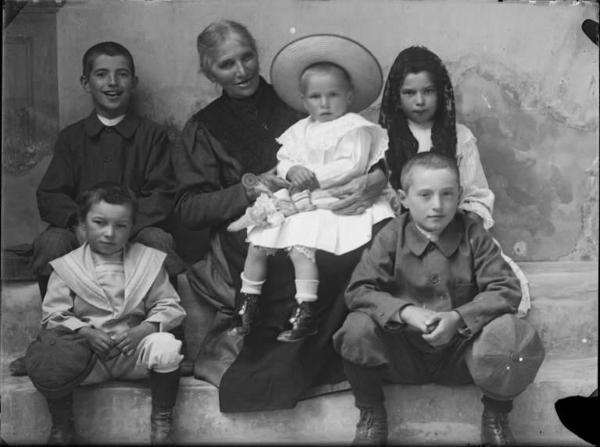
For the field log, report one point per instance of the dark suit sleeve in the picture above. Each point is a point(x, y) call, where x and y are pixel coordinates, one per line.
point(373, 282)
point(57, 190)
point(157, 193)
point(204, 197)
point(500, 291)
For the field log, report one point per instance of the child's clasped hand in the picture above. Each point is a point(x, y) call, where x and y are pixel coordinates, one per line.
point(438, 328)
point(444, 326)
point(302, 178)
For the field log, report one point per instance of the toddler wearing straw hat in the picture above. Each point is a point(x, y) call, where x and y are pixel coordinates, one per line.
point(331, 78)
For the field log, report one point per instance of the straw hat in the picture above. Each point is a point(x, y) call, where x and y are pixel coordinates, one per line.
point(296, 56)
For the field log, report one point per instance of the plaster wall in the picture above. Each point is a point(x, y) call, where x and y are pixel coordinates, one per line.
point(525, 76)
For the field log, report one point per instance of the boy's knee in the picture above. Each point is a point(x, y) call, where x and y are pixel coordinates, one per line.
point(161, 352)
point(52, 243)
point(358, 340)
point(156, 238)
point(161, 240)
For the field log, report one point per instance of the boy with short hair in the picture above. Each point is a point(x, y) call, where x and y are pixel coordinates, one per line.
point(111, 144)
point(424, 301)
point(106, 315)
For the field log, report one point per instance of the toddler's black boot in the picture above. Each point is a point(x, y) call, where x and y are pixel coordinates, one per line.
point(164, 387)
point(372, 428)
point(246, 310)
point(304, 323)
point(63, 421)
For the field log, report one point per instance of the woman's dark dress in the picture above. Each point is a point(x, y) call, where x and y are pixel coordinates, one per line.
point(224, 140)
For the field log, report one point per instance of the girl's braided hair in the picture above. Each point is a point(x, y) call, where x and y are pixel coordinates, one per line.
point(403, 145)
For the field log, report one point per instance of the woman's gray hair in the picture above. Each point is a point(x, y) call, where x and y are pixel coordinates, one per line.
point(213, 35)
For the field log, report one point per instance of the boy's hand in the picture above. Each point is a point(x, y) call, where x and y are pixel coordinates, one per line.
point(128, 340)
point(446, 326)
point(99, 340)
point(302, 178)
point(417, 317)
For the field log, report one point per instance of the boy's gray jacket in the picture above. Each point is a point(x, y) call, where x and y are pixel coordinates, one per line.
point(463, 271)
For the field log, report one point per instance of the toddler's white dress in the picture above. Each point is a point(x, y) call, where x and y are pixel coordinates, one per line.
point(336, 151)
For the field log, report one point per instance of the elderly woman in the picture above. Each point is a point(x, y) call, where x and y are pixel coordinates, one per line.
point(234, 135)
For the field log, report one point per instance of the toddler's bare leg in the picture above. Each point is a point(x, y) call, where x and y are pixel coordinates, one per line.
point(255, 267)
point(305, 266)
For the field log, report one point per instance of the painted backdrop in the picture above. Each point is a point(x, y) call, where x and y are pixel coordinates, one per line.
point(525, 75)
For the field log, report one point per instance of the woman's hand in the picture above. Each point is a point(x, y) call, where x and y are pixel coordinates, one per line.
point(302, 178)
point(358, 194)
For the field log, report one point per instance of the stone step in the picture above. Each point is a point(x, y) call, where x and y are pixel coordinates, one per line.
point(565, 305)
point(564, 310)
point(118, 413)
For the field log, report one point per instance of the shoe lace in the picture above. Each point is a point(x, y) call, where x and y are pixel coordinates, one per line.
point(296, 315)
point(498, 425)
point(369, 420)
point(243, 308)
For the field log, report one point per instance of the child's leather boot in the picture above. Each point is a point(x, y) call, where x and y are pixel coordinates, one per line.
point(164, 388)
point(372, 426)
point(495, 429)
point(63, 421)
point(246, 311)
point(304, 323)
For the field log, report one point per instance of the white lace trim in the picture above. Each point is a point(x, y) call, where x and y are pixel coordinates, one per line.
point(330, 133)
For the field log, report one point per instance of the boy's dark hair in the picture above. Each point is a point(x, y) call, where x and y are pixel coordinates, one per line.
point(106, 48)
point(403, 145)
point(326, 67)
point(428, 160)
point(110, 192)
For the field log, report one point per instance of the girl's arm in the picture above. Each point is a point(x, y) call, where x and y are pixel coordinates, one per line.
point(476, 197)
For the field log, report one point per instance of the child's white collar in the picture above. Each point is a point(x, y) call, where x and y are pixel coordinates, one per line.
point(434, 237)
point(108, 122)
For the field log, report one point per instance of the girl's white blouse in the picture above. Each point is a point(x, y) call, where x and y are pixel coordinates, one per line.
point(476, 194)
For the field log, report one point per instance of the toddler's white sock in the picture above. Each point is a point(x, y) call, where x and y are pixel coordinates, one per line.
point(249, 286)
point(306, 290)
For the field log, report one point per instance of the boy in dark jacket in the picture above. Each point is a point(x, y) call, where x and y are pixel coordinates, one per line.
point(111, 144)
point(421, 294)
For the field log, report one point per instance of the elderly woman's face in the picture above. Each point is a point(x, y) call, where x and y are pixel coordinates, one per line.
point(235, 67)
